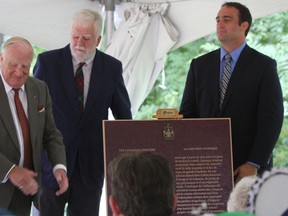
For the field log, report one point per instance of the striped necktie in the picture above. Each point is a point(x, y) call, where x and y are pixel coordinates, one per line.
point(225, 78)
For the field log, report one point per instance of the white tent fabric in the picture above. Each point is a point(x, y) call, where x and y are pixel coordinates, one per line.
point(141, 42)
point(46, 22)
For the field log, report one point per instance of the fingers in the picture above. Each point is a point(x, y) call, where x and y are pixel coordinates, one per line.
point(61, 191)
point(24, 179)
point(243, 171)
point(62, 180)
point(29, 188)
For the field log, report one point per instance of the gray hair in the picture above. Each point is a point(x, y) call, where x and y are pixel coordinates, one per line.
point(16, 40)
point(89, 15)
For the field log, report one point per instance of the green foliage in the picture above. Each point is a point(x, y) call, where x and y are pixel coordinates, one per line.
point(268, 35)
point(281, 148)
point(37, 50)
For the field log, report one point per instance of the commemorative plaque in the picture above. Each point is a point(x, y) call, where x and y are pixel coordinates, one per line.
point(199, 152)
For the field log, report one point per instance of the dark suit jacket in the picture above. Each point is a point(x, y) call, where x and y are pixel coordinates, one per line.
point(253, 101)
point(43, 133)
point(106, 90)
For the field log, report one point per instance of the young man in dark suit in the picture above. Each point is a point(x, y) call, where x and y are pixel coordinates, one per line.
point(252, 97)
point(81, 123)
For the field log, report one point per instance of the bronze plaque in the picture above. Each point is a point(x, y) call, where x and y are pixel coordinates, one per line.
point(199, 152)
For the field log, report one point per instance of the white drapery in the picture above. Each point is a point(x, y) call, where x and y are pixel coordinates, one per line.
point(140, 43)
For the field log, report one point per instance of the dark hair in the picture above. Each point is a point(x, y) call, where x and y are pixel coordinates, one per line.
point(142, 184)
point(244, 13)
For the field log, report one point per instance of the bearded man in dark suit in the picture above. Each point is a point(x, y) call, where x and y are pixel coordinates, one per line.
point(103, 89)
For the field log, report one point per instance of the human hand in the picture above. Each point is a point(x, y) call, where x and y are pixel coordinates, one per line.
point(61, 178)
point(24, 179)
point(244, 170)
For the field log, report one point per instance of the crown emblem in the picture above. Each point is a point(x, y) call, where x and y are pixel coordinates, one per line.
point(168, 133)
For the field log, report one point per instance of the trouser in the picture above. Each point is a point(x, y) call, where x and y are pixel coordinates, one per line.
point(80, 200)
point(20, 203)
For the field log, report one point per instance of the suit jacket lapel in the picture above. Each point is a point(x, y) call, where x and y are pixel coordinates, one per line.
point(214, 84)
point(95, 82)
point(67, 79)
point(32, 101)
point(6, 116)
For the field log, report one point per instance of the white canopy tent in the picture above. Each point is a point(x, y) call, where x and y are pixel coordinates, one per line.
point(157, 27)
point(46, 22)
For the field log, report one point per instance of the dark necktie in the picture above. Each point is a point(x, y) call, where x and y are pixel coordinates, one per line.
point(225, 78)
point(25, 130)
point(79, 82)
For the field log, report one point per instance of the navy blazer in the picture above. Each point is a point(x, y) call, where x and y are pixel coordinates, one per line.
point(106, 90)
point(253, 101)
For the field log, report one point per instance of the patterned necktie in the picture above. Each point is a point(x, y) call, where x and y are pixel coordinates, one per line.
point(79, 82)
point(25, 130)
point(225, 78)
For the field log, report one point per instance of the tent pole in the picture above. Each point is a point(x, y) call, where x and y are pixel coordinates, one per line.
point(109, 8)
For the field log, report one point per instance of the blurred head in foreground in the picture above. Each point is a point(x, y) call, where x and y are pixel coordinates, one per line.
point(141, 184)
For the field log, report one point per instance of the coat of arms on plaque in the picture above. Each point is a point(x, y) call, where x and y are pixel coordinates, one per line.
point(168, 133)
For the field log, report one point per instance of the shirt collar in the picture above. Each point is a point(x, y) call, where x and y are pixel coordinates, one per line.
point(234, 54)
